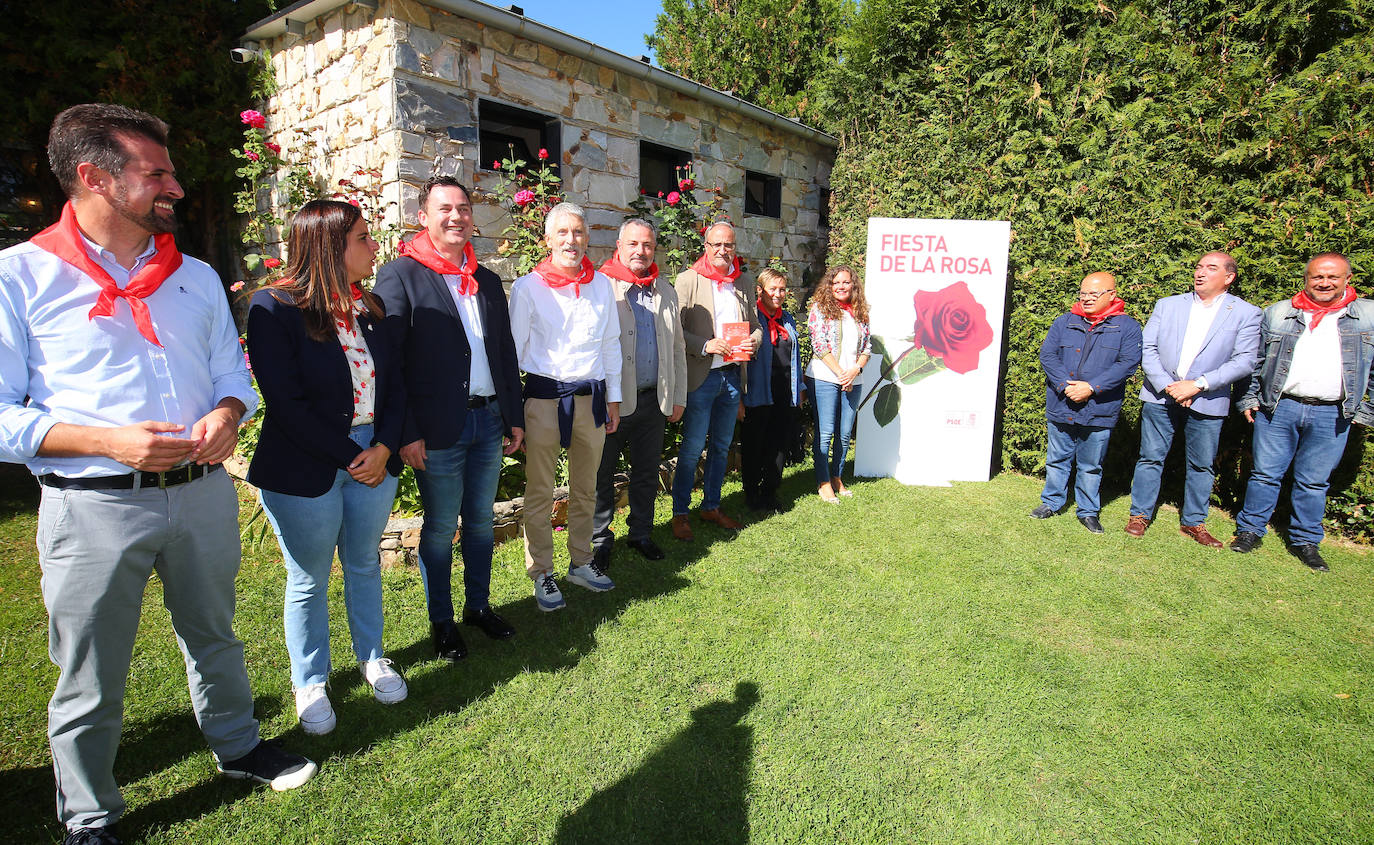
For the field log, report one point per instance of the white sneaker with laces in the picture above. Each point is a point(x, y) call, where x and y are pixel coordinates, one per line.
point(388, 686)
point(314, 711)
point(591, 576)
point(546, 593)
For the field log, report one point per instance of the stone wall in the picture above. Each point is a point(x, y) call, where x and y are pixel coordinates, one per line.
point(398, 90)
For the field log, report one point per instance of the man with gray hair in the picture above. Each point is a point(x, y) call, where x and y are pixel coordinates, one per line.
point(653, 376)
point(568, 343)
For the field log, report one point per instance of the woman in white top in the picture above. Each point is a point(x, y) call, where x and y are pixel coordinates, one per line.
point(840, 347)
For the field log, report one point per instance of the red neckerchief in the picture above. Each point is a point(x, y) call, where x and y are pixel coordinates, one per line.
point(847, 306)
point(63, 239)
point(616, 270)
point(555, 278)
point(723, 282)
point(1316, 310)
point(421, 248)
point(1118, 306)
point(775, 329)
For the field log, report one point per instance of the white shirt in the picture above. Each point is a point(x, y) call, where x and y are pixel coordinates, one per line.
point(480, 382)
point(1315, 371)
point(1200, 319)
point(725, 308)
point(102, 372)
point(565, 336)
point(846, 356)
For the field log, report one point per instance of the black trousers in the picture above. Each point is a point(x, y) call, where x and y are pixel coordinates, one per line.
point(642, 434)
point(765, 436)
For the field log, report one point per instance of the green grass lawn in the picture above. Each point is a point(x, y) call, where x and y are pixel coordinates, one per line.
point(914, 665)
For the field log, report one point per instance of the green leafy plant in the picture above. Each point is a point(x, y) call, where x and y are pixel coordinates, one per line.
point(681, 220)
point(528, 194)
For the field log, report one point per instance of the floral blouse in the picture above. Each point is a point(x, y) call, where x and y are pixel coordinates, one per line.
point(359, 367)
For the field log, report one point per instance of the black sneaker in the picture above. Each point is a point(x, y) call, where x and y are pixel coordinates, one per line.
point(1042, 512)
point(1313, 558)
point(268, 764)
point(1245, 542)
point(92, 836)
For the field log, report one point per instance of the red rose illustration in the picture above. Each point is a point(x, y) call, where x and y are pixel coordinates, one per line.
point(952, 326)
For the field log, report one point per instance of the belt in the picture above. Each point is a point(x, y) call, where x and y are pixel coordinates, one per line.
point(1307, 400)
point(132, 481)
point(479, 401)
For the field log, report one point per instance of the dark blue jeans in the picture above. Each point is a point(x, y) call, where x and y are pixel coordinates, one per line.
point(1200, 433)
point(1311, 438)
point(1070, 444)
point(460, 480)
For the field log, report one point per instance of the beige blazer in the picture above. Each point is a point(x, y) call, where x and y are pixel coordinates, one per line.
point(696, 296)
point(672, 362)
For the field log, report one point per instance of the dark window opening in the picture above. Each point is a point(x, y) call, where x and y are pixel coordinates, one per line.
point(661, 168)
point(762, 194)
point(504, 131)
point(826, 196)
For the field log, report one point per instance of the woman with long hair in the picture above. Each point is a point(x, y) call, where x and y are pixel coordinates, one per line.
point(326, 462)
point(840, 347)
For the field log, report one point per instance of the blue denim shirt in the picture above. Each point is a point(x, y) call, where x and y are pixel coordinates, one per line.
point(1105, 357)
point(1279, 333)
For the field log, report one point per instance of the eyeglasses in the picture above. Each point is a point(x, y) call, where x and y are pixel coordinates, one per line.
point(1094, 294)
point(721, 245)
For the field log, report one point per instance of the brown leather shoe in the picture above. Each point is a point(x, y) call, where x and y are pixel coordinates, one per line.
point(1199, 533)
point(719, 519)
point(1136, 525)
point(682, 530)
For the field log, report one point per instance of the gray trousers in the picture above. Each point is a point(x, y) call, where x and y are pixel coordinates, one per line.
point(642, 432)
point(97, 550)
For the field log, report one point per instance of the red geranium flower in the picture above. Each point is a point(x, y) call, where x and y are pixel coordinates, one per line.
point(271, 263)
point(252, 156)
point(951, 325)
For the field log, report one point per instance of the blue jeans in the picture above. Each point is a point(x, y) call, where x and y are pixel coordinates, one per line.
point(711, 411)
point(351, 517)
point(1309, 437)
point(1158, 422)
point(460, 480)
point(836, 411)
point(1069, 444)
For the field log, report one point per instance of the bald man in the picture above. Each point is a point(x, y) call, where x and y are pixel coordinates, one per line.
point(1088, 355)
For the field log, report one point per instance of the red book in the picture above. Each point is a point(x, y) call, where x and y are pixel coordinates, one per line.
point(735, 334)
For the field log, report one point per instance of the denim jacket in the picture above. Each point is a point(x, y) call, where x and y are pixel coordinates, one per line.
point(1279, 333)
point(1105, 357)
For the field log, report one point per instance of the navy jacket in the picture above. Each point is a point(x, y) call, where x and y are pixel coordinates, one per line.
point(436, 358)
point(1105, 357)
point(308, 392)
point(760, 382)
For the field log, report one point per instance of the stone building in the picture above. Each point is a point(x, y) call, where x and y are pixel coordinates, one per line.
point(412, 88)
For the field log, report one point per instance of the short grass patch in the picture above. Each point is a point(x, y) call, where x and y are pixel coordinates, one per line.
point(912, 665)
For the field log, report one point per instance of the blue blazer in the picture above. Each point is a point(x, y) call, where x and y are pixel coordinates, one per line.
point(1228, 354)
point(758, 387)
point(436, 358)
point(308, 393)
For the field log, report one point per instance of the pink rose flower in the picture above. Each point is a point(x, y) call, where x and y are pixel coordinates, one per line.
point(252, 156)
point(951, 325)
point(271, 263)
point(253, 119)
point(543, 154)
point(524, 197)
point(674, 197)
point(687, 184)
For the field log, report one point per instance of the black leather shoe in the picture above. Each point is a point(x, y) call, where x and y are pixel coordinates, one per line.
point(491, 624)
point(448, 643)
point(1245, 542)
point(1091, 523)
point(1313, 558)
point(1042, 512)
point(646, 547)
point(92, 836)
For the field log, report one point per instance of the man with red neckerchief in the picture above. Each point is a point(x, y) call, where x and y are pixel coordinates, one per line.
point(1312, 382)
point(567, 337)
point(712, 293)
point(463, 404)
point(1088, 354)
point(653, 376)
point(122, 386)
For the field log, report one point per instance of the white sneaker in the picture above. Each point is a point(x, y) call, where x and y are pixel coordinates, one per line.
point(591, 576)
point(314, 711)
point(388, 686)
point(546, 593)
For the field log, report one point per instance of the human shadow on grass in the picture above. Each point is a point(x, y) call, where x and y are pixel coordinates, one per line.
point(544, 642)
point(692, 789)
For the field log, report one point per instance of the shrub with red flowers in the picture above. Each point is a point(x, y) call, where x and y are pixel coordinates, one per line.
point(950, 330)
point(681, 220)
point(263, 163)
point(527, 193)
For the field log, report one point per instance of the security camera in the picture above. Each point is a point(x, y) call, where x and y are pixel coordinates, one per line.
point(243, 55)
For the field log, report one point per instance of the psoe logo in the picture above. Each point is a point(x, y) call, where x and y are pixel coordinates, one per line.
point(960, 419)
